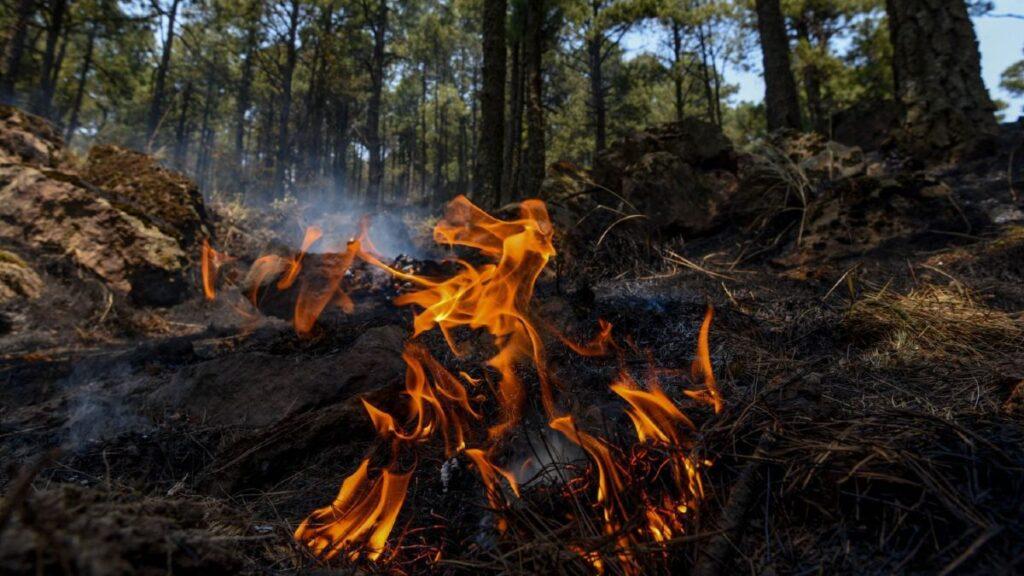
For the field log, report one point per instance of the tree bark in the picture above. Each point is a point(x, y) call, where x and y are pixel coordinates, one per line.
point(781, 101)
point(533, 175)
point(156, 105)
point(16, 50)
point(947, 111)
point(492, 103)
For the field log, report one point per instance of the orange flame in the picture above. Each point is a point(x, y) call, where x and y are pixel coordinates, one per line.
point(700, 369)
point(494, 296)
point(210, 262)
point(313, 233)
point(360, 518)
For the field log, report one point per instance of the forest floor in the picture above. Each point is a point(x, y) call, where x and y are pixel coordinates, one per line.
point(873, 417)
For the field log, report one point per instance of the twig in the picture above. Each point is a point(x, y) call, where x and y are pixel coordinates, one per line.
point(713, 558)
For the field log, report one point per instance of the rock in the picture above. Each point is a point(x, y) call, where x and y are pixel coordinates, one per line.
point(867, 124)
point(169, 199)
point(699, 144)
point(835, 162)
point(17, 279)
point(677, 176)
point(675, 196)
point(244, 388)
point(55, 212)
point(866, 213)
point(28, 139)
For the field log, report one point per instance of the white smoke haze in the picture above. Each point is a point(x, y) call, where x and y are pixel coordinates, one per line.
point(98, 406)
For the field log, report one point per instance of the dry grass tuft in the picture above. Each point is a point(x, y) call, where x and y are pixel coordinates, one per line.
point(933, 321)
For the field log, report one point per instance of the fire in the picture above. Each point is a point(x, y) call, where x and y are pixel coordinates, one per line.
point(494, 296)
point(700, 370)
point(360, 518)
point(643, 494)
point(210, 262)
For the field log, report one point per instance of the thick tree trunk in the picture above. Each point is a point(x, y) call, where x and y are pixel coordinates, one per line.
point(51, 59)
point(781, 101)
point(283, 162)
point(533, 174)
point(16, 49)
point(597, 102)
point(492, 103)
point(514, 132)
point(83, 78)
point(244, 99)
point(373, 112)
point(156, 105)
point(677, 67)
point(341, 141)
point(182, 134)
point(422, 166)
point(937, 70)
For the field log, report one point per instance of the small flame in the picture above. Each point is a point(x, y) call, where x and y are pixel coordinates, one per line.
point(700, 369)
point(360, 518)
point(313, 233)
point(210, 262)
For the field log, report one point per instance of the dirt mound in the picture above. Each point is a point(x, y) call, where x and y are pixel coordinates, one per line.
point(170, 200)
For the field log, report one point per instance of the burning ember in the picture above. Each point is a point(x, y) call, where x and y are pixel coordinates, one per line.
point(642, 495)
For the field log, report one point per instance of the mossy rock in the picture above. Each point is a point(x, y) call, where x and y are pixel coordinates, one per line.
point(142, 186)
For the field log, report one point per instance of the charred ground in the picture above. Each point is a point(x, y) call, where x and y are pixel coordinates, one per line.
point(867, 340)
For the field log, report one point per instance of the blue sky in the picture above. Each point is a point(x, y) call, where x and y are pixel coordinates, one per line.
point(1001, 41)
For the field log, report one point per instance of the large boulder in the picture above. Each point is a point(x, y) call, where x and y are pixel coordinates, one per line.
point(17, 279)
point(680, 176)
point(56, 213)
point(170, 200)
point(28, 139)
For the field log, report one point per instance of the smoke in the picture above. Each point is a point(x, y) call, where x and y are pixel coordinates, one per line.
point(393, 231)
point(98, 405)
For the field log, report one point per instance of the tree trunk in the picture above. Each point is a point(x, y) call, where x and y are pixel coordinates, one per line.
point(244, 100)
point(156, 105)
point(811, 78)
point(514, 132)
point(373, 112)
point(16, 50)
point(341, 115)
point(182, 133)
point(534, 55)
point(50, 59)
point(492, 103)
point(83, 78)
point(422, 166)
point(937, 70)
point(291, 59)
point(677, 66)
point(709, 95)
point(781, 101)
point(597, 102)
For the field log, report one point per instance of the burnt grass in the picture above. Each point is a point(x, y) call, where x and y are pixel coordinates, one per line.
point(873, 421)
